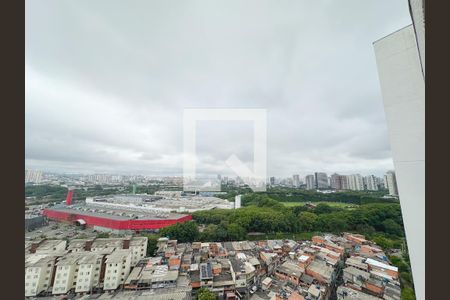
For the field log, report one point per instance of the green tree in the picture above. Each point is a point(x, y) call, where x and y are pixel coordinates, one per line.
point(205, 294)
point(323, 208)
point(183, 232)
point(391, 227)
point(151, 244)
point(235, 232)
point(408, 294)
point(307, 221)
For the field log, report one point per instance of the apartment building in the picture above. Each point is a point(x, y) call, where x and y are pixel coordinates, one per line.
point(390, 182)
point(138, 247)
point(118, 265)
point(355, 182)
point(310, 182)
point(321, 180)
point(107, 244)
point(371, 183)
point(89, 272)
point(77, 245)
point(66, 273)
point(39, 270)
point(51, 246)
point(338, 182)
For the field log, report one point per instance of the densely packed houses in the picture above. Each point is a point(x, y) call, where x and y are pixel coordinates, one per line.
point(342, 267)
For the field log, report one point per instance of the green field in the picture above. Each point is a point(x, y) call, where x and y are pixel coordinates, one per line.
point(334, 204)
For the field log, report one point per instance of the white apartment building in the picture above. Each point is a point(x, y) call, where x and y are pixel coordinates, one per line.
point(89, 269)
point(118, 265)
point(391, 183)
point(107, 244)
point(66, 273)
point(310, 182)
point(77, 245)
point(371, 183)
point(321, 180)
point(138, 247)
point(51, 246)
point(33, 176)
point(355, 182)
point(39, 269)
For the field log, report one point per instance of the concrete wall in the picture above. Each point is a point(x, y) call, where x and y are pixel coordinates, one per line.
point(403, 90)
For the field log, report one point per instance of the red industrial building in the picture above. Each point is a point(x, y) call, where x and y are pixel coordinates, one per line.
point(111, 219)
point(113, 222)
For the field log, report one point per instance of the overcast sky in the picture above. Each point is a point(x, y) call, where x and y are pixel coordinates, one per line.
point(107, 82)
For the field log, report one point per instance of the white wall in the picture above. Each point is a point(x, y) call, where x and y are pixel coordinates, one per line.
point(403, 90)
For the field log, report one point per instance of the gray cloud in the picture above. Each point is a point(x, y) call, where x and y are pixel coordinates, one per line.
point(107, 82)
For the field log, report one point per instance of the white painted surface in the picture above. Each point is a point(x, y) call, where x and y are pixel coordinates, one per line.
point(403, 90)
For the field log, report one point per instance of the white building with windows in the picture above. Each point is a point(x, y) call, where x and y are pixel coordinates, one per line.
point(391, 183)
point(138, 248)
point(89, 270)
point(66, 273)
point(39, 270)
point(371, 183)
point(103, 244)
point(310, 182)
point(51, 247)
point(118, 265)
point(355, 182)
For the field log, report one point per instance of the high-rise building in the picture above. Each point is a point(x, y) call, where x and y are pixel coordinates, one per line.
point(296, 180)
point(33, 176)
point(272, 180)
point(310, 182)
point(391, 182)
point(321, 180)
point(237, 201)
point(371, 183)
point(338, 182)
point(400, 58)
point(355, 182)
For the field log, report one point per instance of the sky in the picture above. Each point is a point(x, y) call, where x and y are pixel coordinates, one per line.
point(107, 82)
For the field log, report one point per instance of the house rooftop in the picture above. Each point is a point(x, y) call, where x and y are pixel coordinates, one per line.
point(117, 256)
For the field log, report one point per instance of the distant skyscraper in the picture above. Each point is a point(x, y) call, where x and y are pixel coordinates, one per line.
point(237, 201)
point(371, 183)
point(355, 182)
point(321, 180)
point(380, 182)
point(33, 176)
point(338, 182)
point(391, 182)
point(296, 180)
point(272, 180)
point(310, 182)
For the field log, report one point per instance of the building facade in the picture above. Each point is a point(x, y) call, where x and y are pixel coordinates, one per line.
point(400, 59)
point(118, 265)
point(355, 182)
point(321, 180)
point(390, 182)
point(310, 182)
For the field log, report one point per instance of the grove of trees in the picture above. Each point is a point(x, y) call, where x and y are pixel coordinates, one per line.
point(379, 221)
